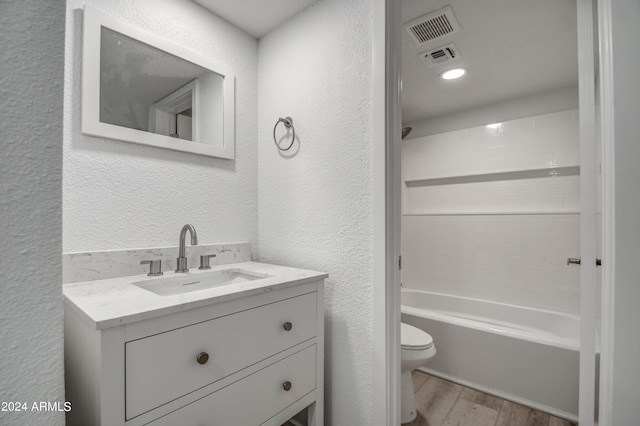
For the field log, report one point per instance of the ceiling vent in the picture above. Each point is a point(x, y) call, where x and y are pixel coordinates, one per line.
point(432, 26)
point(440, 55)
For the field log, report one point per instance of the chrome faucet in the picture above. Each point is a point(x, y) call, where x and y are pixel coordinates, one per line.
point(182, 259)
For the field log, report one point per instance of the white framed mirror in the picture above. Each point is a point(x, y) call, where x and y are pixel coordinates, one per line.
point(140, 88)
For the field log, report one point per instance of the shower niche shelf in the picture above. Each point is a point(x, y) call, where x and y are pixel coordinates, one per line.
point(497, 176)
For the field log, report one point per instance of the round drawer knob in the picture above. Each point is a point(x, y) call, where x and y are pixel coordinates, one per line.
point(286, 386)
point(202, 358)
point(288, 326)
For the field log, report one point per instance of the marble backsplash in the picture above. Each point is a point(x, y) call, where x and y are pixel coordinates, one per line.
point(98, 265)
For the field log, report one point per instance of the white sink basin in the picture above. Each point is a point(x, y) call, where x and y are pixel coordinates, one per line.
point(186, 283)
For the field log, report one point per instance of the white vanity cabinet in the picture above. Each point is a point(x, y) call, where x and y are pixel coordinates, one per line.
point(253, 359)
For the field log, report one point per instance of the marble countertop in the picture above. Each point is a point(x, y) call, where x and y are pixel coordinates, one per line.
point(115, 301)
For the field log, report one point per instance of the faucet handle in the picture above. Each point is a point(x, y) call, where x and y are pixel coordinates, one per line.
point(155, 267)
point(204, 261)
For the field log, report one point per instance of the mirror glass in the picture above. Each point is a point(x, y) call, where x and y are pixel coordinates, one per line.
point(142, 89)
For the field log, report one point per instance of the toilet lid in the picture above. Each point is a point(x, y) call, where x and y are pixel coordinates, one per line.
point(413, 338)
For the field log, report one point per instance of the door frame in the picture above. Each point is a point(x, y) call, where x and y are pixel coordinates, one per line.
point(607, 124)
point(588, 205)
point(386, 211)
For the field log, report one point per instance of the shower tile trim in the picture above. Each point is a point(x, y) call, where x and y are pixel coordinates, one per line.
point(98, 265)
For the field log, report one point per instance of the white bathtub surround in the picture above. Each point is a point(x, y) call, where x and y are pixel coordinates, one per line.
point(525, 355)
point(544, 142)
point(100, 265)
point(518, 259)
point(492, 212)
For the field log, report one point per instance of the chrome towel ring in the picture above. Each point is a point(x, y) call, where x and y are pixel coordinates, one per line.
point(288, 123)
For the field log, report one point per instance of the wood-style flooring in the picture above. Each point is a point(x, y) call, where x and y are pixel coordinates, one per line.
point(443, 403)
point(440, 402)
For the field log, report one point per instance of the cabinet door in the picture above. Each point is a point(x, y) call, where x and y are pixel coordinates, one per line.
point(167, 366)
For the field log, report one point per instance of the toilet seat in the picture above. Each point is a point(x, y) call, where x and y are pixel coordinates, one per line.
point(412, 338)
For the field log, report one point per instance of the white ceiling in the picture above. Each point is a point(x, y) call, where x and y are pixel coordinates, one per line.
point(512, 48)
point(256, 17)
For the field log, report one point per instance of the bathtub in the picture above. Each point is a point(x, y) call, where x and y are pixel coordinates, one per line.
point(529, 356)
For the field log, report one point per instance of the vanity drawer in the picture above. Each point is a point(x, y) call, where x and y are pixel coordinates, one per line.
point(166, 366)
point(269, 394)
point(254, 399)
point(281, 325)
point(224, 407)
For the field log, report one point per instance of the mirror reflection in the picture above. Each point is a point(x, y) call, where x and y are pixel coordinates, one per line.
point(145, 88)
point(141, 88)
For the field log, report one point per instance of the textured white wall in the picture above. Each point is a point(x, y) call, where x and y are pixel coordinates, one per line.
point(315, 205)
point(122, 195)
point(31, 68)
point(503, 240)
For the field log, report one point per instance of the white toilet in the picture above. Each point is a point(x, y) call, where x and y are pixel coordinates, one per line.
point(417, 349)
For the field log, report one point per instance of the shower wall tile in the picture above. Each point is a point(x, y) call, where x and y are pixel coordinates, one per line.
point(556, 119)
point(518, 259)
point(539, 195)
point(528, 143)
point(521, 125)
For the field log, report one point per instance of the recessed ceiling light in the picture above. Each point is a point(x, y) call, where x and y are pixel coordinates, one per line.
point(453, 73)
